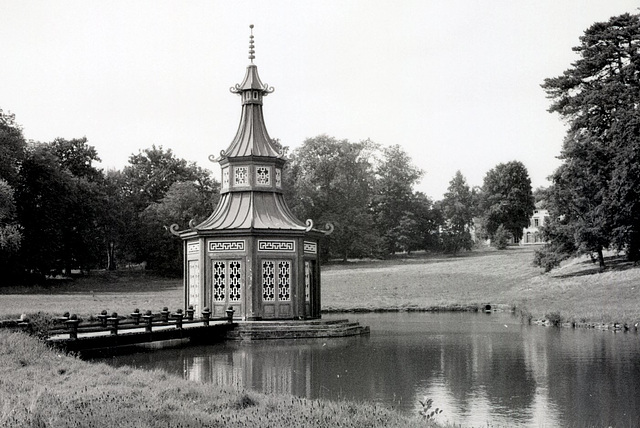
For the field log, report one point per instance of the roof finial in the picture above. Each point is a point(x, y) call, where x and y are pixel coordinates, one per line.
point(251, 50)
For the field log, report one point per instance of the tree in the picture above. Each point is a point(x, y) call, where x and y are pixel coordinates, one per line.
point(12, 148)
point(396, 175)
point(599, 96)
point(58, 211)
point(507, 199)
point(457, 210)
point(332, 182)
point(147, 179)
point(183, 202)
point(12, 151)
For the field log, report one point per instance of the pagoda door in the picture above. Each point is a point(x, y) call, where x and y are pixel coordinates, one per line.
point(227, 286)
point(276, 288)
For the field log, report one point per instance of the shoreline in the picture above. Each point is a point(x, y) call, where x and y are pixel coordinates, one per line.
point(524, 318)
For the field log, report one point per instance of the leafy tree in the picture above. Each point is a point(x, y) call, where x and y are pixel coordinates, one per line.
point(183, 202)
point(151, 173)
point(147, 179)
point(12, 148)
point(332, 182)
point(77, 156)
point(507, 198)
point(457, 210)
point(429, 220)
point(597, 184)
point(58, 211)
point(396, 175)
point(10, 231)
point(12, 151)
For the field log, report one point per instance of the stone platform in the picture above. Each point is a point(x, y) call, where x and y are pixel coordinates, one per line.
point(293, 329)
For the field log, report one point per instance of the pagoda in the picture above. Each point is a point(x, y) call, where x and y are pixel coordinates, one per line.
point(252, 254)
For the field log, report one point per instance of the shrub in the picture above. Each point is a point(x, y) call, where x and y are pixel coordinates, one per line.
point(501, 238)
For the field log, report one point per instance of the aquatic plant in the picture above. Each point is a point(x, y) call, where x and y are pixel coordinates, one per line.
point(426, 412)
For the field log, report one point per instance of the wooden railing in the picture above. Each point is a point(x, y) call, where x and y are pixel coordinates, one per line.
point(115, 324)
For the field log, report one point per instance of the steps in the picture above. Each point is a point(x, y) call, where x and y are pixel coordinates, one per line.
point(261, 330)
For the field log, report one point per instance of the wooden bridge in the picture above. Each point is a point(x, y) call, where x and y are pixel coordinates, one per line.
point(106, 334)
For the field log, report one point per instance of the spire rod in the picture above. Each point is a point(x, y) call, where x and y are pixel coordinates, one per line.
point(251, 46)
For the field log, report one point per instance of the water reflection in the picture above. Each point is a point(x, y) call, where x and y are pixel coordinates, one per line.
point(479, 368)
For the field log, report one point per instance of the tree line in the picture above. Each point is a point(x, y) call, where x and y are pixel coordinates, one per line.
point(59, 212)
point(594, 199)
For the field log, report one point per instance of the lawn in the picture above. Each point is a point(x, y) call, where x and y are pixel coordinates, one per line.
point(576, 290)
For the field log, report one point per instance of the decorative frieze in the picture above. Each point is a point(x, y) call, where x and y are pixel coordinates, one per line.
point(310, 247)
point(193, 247)
point(277, 245)
point(224, 246)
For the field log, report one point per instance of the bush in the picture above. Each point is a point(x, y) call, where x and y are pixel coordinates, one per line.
point(548, 257)
point(501, 238)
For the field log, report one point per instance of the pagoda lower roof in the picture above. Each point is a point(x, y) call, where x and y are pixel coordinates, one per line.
point(251, 210)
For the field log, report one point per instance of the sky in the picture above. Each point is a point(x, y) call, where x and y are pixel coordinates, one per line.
point(455, 83)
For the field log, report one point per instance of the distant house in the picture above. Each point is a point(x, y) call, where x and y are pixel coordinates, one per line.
point(531, 234)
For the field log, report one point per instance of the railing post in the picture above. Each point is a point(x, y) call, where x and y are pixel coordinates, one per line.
point(190, 312)
point(72, 325)
point(165, 314)
point(103, 318)
point(113, 323)
point(206, 314)
point(148, 320)
point(24, 323)
point(230, 313)
point(178, 316)
point(136, 316)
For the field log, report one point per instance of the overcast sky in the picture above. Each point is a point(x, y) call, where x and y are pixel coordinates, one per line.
point(456, 83)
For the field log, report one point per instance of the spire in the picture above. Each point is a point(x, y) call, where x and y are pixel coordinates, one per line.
point(252, 137)
point(251, 47)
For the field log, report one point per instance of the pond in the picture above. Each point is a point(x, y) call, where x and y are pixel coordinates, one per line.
point(478, 368)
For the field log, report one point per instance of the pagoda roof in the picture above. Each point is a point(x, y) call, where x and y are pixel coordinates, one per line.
point(251, 138)
point(252, 210)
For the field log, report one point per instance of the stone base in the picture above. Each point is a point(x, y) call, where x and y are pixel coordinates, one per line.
point(288, 329)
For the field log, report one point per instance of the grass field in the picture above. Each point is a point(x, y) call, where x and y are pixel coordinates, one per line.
point(576, 291)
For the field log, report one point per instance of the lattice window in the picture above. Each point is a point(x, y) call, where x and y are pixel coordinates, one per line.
point(278, 177)
point(225, 178)
point(219, 275)
point(235, 282)
point(268, 281)
point(284, 280)
point(194, 283)
point(307, 281)
point(241, 175)
point(262, 176)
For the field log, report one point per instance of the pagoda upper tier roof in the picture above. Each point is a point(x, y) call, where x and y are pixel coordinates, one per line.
point(252, 138)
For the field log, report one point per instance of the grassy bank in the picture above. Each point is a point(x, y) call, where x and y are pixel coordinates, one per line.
point(574, 292)
point(41, 388)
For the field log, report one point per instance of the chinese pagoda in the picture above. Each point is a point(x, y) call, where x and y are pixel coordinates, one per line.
point(252, 254)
